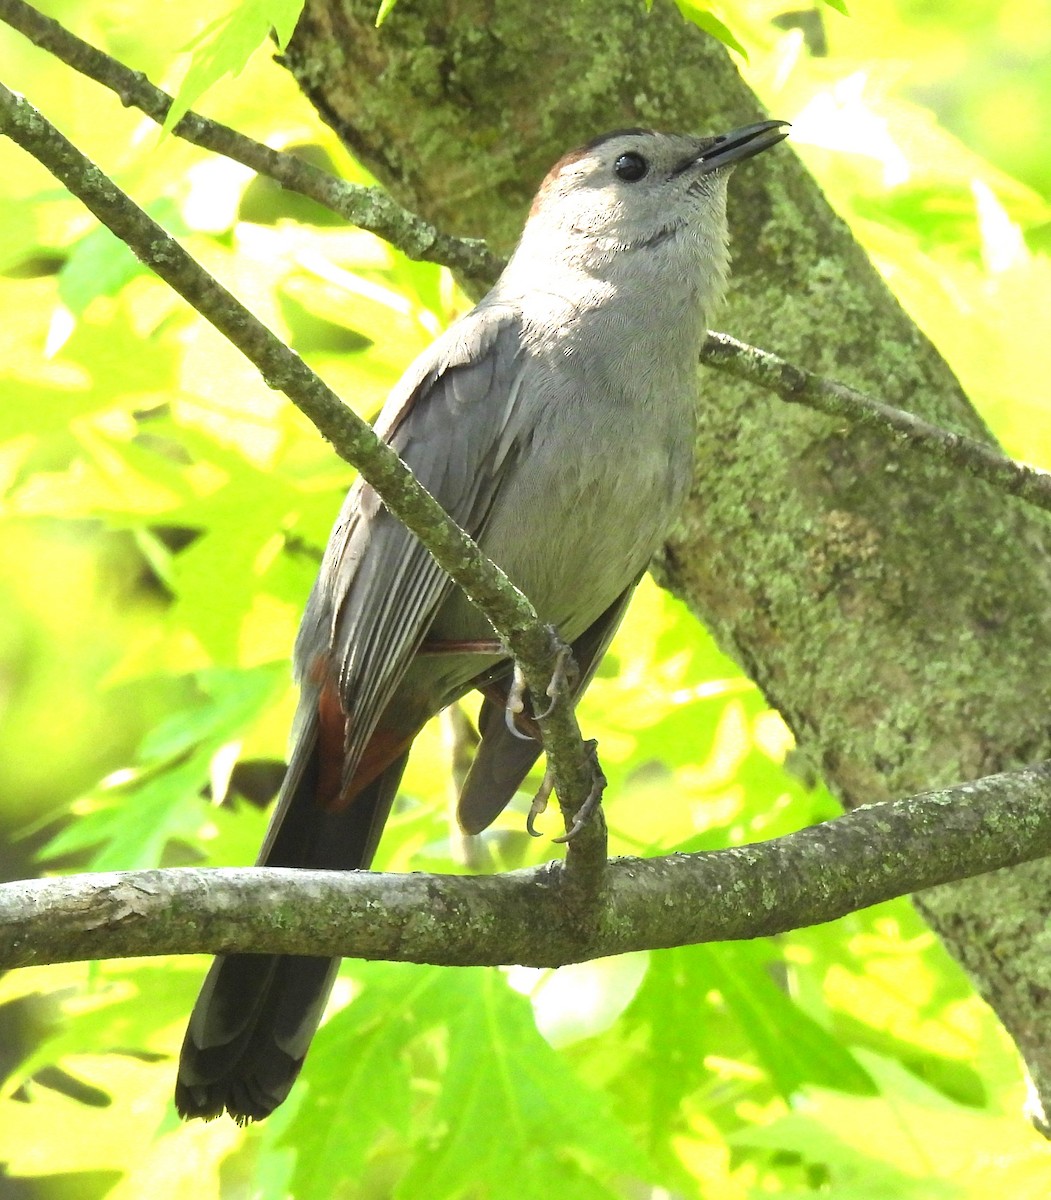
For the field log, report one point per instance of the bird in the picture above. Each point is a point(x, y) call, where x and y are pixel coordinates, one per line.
point(555, 423)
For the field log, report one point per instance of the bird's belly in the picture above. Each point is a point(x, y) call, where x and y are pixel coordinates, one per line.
point(573, 538)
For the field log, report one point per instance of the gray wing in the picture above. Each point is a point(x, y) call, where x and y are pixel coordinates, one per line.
point(451, 421)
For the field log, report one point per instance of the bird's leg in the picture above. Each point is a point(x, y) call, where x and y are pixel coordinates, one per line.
point(584, 812)
point(525, 725)
point(518, 720)
point(477, 646)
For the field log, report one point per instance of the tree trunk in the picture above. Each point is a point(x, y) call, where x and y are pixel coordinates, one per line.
point(897, 613)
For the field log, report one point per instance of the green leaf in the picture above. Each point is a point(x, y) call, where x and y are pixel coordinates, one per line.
point(100, 264)
point(284, 14)
point(700, 1002)
point(230, 701)
point(503, 1093)
point(226, 45)
point(910, 1144)
point(888, 986)
point(127, 380)
point(672, 1023)
point(240, 524)
point(134, 825)
point(228, 550)
point(710, 23)
point(383, 12)
point(134, 822)
point(121, 1007)
point(94, 373)
point(359, 1079)
point(839, 5)
point(791, 1045)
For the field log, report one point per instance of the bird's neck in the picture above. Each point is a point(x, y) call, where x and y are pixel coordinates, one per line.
point(671, 285)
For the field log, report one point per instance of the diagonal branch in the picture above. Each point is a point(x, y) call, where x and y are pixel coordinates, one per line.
point(818, 874)
point(368, 208)
point(535, 646)
point(798, 386)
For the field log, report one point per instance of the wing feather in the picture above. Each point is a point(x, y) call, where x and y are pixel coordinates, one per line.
point(378, 588)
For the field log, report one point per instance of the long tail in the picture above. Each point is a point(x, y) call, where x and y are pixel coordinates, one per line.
point(257, 1013)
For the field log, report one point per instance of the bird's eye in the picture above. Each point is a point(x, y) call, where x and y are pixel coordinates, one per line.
point(630, 167)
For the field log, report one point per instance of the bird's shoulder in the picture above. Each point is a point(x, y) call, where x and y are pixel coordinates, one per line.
point(476, 356)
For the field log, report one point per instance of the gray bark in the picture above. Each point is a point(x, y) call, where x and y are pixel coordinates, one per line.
point(536, 917)
point(895, 611)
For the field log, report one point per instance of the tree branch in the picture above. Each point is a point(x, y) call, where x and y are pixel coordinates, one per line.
point(369, 208)
point(818, 874)
point(535, 646)
point(798, 386)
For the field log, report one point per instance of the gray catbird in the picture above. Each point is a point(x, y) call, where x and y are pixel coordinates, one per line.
point(555, 423)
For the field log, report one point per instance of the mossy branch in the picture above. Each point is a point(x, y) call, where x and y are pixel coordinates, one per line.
point(815, 875)
point(795, 385)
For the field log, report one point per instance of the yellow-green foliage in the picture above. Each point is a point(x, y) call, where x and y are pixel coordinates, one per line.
point(161, 516)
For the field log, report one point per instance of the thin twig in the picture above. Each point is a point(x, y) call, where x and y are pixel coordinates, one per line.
point(366, 207)
point(535, 646)
point(798, 386)
point(815, 875)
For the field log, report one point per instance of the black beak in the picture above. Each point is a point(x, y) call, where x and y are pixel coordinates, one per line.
point(742, 143)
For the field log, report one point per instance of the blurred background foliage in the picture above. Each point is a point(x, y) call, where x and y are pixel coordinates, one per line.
point(161, 517)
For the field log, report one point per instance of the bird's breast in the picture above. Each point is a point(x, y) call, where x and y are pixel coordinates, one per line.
point(602, 459)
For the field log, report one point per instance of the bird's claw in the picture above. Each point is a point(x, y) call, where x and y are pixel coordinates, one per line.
point(563, 678)
point(514, 708)
point(586, 810)
point(539, 805)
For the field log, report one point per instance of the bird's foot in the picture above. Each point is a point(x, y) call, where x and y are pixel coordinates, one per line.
point(585, 812)
point(515, 715)
point(475, 646)
point(539, 805)
point(564, 678)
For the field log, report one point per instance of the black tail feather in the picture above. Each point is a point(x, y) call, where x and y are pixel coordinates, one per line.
point(257, 1013)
